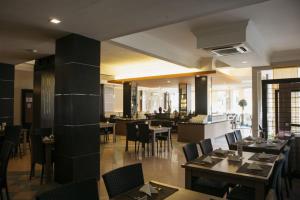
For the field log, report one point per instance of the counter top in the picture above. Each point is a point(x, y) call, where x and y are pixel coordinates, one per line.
point(195, 123)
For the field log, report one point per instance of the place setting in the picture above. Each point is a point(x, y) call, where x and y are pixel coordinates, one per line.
point(149, 191)
point(206, 161)
point(255, 169)
point(221, 153)
point(263, 157)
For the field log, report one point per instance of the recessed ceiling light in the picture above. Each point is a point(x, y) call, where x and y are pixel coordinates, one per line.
point(244, 62)
point(54, 20)
point(31, 50)
point(169, 81)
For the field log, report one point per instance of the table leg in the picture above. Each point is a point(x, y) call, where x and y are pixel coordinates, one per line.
point(169, 139)
point(48, 165)
point(153, 143)
point(259, 191)
point(114, 133)
point(188, 179)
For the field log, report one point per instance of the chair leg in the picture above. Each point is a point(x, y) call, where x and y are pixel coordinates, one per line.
point(286, 187)
point(157, 147)
point(42, 175)
point(138, 149)
point(126, 147)
point(32, 171)
point(134, 146)
point(19, 149)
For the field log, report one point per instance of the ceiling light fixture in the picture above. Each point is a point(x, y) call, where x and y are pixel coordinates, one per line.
point(244, 62)
point(54, 20)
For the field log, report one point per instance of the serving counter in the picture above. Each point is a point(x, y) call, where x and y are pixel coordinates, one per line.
point(194, 132)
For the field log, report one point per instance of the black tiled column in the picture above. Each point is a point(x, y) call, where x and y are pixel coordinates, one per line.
point(129, 99)
point(201, 91)
point(43, 92)
point(7, 77)
point(77, 108)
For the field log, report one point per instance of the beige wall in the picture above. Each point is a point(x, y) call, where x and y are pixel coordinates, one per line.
point(23, 80)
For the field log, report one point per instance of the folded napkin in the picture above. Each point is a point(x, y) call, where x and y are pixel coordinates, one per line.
point(148, 189)
point(208, 159)
point(46, 138)
point(234, 158)
point(263, 155)
point(254, 166)
point(220, 151)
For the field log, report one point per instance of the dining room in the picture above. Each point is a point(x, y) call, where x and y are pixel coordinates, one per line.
point(173, 100)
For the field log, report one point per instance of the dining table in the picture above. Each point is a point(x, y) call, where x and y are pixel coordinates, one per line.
point(155, 130)
point(177, 193)
point(224, 169)
point(269, 146)
point(109, 125)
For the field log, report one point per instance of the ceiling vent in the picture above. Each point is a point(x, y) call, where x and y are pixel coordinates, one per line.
point(229, 38)
point(229, 50)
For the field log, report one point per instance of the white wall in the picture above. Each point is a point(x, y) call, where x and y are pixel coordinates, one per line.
point(23, 80)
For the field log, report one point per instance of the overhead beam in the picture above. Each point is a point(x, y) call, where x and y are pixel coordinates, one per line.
point(168, 76)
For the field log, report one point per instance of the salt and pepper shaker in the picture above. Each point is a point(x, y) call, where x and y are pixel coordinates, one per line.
point(240, 149)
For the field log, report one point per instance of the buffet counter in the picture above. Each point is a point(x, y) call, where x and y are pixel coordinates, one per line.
point(194, 132)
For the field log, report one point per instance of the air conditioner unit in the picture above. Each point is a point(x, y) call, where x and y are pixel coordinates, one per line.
point(229, 50)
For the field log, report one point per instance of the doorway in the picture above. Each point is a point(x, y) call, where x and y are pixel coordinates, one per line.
point(27, 108)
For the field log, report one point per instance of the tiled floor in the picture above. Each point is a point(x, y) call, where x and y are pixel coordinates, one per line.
point(164, 167)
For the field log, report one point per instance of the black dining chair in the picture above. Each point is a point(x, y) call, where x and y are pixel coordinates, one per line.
point(131, 135)
point(5, 152)
point(230, 138)
point(200, 184)
point(241, 192)
point(145, 136)
point(238, 135)
point(206, 146)
point(38, 150)
point(12, 133)
point(123, 179)
point(86, 189)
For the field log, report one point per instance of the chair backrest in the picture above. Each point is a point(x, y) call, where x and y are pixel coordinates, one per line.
point(190, 151)
point(131, 131)
point(123, 179)
point(238, 135)
point(206, 146)
point(87, 189)
point(5, 151)
point(144, 132)
point(230, 138)
point(37, 147)
point(12, 133)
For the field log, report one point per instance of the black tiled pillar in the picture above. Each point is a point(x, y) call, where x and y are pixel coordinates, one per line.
point(129, 99)
point(7, 77)
point(77, 108)
point(201, 91)
point(43, 92)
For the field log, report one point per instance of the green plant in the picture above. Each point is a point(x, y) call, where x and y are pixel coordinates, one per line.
point(243, 103)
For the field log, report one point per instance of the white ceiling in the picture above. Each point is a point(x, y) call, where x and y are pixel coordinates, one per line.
point(277, 21)
point(24, 24)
